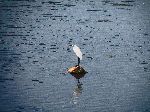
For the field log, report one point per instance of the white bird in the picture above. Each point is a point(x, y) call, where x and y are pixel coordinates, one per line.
point(78, 52)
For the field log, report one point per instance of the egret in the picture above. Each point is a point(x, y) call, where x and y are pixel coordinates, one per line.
point(78, 52)
point(77, 71)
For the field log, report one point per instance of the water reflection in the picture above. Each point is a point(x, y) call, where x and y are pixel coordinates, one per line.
point(78, 72)
point(76, 93)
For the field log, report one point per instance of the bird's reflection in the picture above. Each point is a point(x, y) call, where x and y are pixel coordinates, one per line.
point(76, 93)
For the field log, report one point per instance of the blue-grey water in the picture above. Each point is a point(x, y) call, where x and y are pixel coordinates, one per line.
point(36, 38)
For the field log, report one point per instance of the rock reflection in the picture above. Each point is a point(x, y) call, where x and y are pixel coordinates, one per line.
point(76, 93)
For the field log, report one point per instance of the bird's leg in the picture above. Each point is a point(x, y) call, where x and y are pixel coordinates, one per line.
point(78, 61)
point(78, 81)
point(79, 84)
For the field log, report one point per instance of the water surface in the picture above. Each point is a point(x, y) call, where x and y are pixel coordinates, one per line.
point(35, 52)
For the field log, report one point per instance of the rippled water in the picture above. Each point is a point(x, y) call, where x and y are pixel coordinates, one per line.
point(35, 52)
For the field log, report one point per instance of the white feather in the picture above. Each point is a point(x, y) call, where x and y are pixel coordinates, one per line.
point(77, 51)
